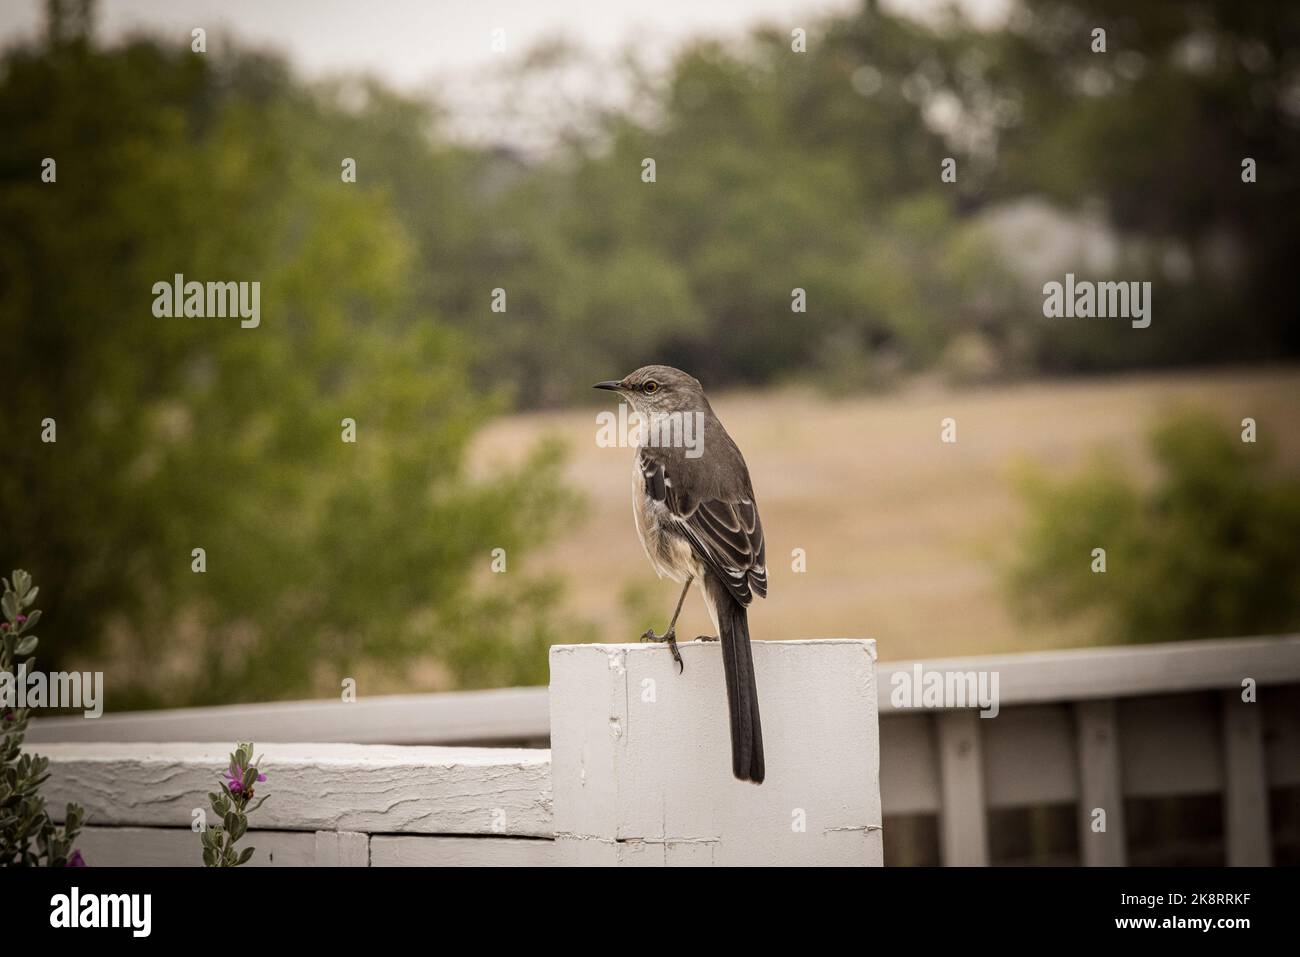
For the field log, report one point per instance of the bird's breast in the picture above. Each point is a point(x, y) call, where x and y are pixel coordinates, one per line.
point(668, 551)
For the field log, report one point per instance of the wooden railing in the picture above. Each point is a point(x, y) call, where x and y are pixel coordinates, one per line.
point(1088, 729)
point(1091, 728)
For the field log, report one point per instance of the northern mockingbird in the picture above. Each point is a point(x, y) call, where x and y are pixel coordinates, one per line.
point(697, 520)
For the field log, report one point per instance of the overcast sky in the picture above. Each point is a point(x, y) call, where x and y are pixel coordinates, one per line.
point(445, 47)
point(410, 42)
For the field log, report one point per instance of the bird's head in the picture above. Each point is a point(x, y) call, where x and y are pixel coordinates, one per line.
point(654, 389)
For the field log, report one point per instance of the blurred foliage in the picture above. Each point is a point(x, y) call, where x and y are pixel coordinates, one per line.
point(180, 433)
point(1207, 550)
point(778, 170)
point(1155, 131)
point(775, 170)
point(772, 173)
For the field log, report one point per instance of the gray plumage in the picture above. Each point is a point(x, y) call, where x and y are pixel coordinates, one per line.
point(698, 522)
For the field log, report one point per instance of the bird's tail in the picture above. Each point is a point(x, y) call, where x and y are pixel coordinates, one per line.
point(742, 692)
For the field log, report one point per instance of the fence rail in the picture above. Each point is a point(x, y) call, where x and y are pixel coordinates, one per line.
point(498, 716)
point(341, 804)
point(1089, 728)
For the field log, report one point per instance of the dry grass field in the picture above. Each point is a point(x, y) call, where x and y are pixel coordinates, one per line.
point(906, 538)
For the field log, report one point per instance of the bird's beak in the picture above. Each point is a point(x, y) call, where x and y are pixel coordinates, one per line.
point(613, 385)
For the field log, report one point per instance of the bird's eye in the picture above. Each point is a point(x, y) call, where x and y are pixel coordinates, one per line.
point(650, 387)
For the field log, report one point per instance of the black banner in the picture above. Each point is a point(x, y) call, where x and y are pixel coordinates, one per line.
point(978, 907)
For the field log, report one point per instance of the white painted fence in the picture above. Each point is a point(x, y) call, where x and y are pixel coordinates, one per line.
point(338, 804)
point(639, 773)
point(1087, 728)
point(1093, 727)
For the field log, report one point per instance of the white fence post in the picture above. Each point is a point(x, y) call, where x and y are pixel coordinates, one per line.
point(641, 757)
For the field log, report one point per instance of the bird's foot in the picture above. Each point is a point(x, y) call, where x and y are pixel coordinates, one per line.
point(670, 639)
point(706, 637)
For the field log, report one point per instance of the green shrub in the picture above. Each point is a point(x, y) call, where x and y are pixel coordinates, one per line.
point(1206, 550)
point(28, 836)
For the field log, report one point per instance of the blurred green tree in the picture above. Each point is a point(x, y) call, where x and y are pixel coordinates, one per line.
point(778, 170)
point(774, 172)
point(1207, 550)
point(183, 433)
point(1154, 131)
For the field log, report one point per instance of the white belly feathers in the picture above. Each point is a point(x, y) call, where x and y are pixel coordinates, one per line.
point(670, 554)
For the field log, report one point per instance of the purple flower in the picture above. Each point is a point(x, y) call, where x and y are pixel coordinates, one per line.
point(235, 780)
point(76, 860)
point(21, 619)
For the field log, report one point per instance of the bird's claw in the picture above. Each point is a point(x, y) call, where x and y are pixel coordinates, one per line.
point(670, 639)
point(706, 637)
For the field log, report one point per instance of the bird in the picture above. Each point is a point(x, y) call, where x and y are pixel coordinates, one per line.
point(697, 519)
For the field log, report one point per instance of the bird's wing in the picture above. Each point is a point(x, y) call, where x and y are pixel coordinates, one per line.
point(724, 533)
